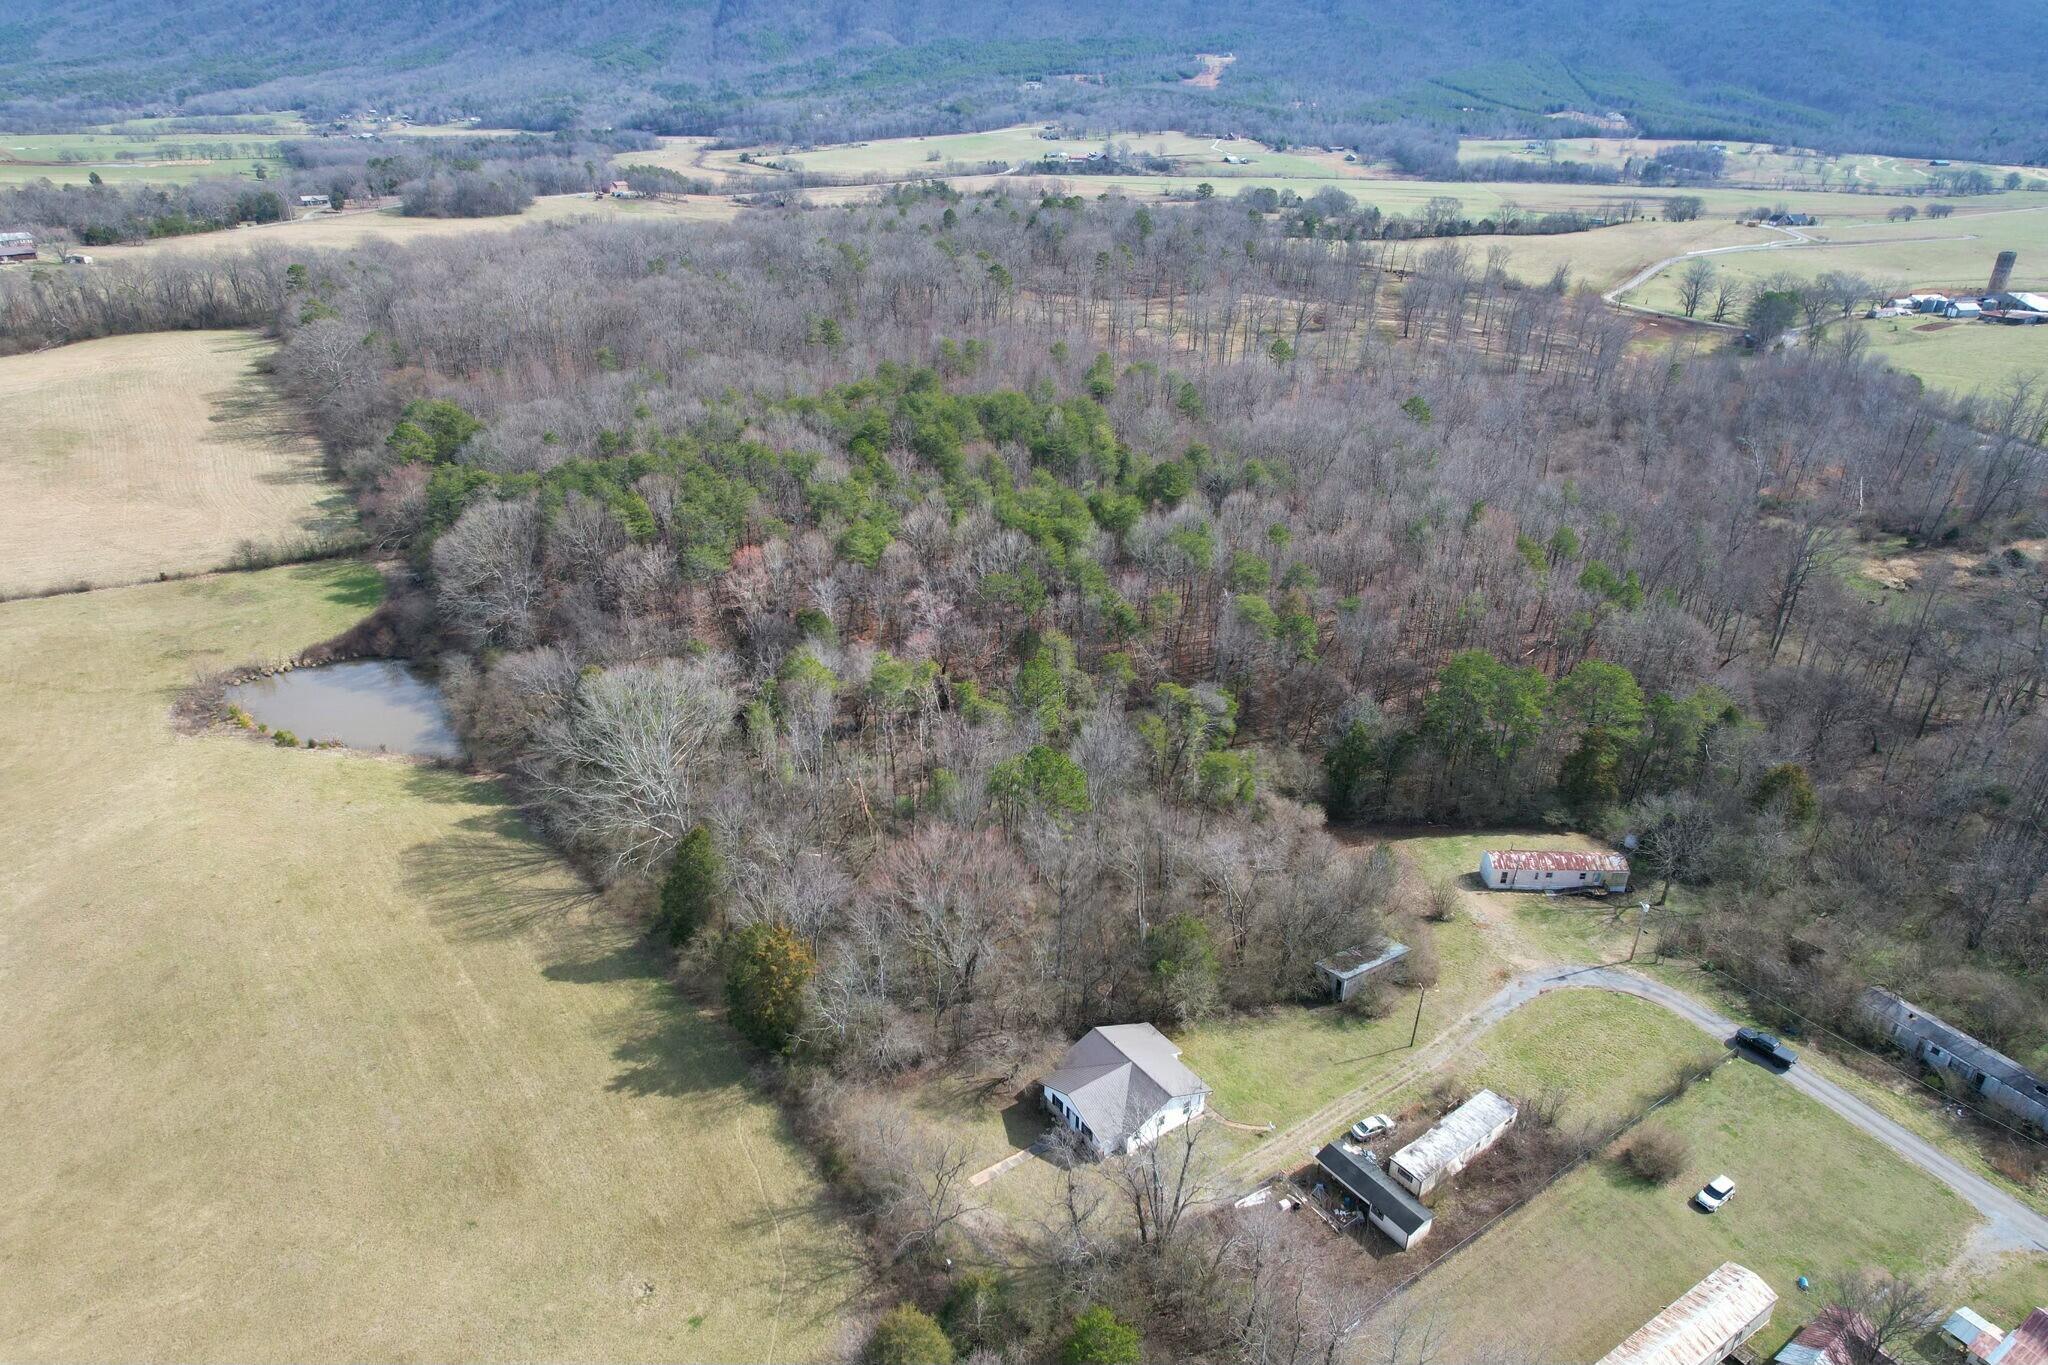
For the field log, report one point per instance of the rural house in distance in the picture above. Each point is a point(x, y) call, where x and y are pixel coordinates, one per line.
point(1551, 870)
point(1707, 1324)
point(1123, 1087)
point(17, 247)
point(2003, 1082)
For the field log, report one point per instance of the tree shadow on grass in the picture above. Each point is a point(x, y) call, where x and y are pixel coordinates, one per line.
point(357, 586)
point(491, 877)
point(681, 1050)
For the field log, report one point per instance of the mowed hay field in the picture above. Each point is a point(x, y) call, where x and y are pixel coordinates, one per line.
point(340, 230)
point(1958, 357)
point(312, 1055)
point(132, 456)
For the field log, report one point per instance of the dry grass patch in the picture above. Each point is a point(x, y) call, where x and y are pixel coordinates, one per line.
point(317, 1056)
point(130, 457)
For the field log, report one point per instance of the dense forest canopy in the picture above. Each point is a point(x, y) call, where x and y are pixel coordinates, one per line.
point(1833, 73)
point(948, 624)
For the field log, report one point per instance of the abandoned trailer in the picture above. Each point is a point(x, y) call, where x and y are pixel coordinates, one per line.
point(1707, 1324)
point(1551, 870)
point(2001, 1081)
point(1381, 1202)
point(1348, 971)
point(1450, 1146)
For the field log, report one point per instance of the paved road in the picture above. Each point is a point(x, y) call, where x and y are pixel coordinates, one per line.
point(2010, 1224)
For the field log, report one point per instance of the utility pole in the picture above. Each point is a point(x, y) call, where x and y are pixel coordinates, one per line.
point(1642, 918)
point(1416, 1032)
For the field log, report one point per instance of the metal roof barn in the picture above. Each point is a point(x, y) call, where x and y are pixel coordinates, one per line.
point(1706, 1323)
point(1459, 1136)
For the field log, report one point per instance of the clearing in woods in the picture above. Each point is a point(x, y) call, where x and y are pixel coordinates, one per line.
point(312, 1055)
point(341, 230)
point(133, 456)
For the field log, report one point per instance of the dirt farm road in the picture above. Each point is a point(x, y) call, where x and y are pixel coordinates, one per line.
point(2010, 1224)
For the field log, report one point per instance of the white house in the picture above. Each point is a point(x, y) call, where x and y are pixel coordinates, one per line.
point(1551, 870)
point(1123, 1086)
point(1450, 1146)
point(1705, 1326)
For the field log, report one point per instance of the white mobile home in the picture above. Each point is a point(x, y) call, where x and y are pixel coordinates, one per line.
point(1123, 1087)
point(1707, 1324)
point(1551, 870)
point(1450, 1146)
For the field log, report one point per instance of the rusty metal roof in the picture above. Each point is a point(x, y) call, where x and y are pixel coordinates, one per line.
point(1701, 1324)
point(1555, 860)
point(2026, 1344)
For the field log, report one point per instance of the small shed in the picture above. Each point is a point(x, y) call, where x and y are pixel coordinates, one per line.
point(1403, 1218)
point(1707, 1324)
point(1969, 1332)
point(1450, 1146)
point(1965, 308)
point(1349, 970)
point(1549, 869)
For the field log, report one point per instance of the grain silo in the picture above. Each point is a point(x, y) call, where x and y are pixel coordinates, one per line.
point(2001, 273)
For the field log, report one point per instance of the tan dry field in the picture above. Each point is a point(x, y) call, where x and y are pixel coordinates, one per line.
point(348, 229)
point(130, 457)
point(311, 1055)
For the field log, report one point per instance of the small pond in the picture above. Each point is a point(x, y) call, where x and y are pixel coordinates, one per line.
point(365, 703)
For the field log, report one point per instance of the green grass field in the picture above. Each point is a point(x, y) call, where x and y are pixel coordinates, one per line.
point(1594, 1257)
point(134, 158)
point(1281, 1066)
point(314, 1055)
point(1965, 357)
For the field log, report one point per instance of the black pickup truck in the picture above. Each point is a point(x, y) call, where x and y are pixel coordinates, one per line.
point(1766, 1047)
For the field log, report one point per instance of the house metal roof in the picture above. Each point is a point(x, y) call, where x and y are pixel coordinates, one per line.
point(1826, 1341)
point(1373, 1185)
point(1455, 1134)
point(1903, 1013)
point(1555, 860)
point(1969, 1329)
point(2026, 1344)
point(1118, 1076)
point(1702, 1321)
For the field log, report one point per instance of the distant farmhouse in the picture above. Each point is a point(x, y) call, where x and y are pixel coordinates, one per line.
point(1123, 1087)
point(1348, 971)
point(17, 247)
point(2001, 1081)
point(1381, 1202)
point(1707, 1324)
point(1551, 870)
point(1450, 1146)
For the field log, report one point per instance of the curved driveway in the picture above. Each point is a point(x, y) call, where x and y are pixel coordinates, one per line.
point(2010, 1224)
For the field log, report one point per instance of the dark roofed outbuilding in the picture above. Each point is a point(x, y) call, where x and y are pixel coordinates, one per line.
point(1399, 1214)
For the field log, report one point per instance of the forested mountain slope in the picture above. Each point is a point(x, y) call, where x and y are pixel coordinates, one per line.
point(1907, 78)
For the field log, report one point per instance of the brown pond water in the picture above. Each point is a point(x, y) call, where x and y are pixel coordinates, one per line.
point(374, 704)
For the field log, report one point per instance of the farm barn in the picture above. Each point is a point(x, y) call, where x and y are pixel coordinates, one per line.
point(16, 247)
point(1449, 1147)
point(1551, 870)
point(1348, 971)
point(1384, 1204)
point(2003, 1082)
point(1707, 1324)
point(1124, 1086)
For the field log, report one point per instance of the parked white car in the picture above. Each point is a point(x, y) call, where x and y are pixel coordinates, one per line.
point(1718, 1191)
point(1366, 1129)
